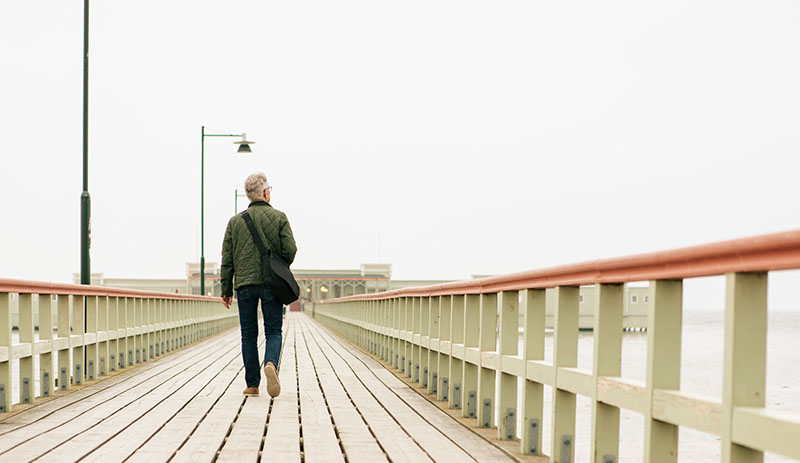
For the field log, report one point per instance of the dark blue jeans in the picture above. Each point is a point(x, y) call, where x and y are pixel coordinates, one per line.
point(248, 297)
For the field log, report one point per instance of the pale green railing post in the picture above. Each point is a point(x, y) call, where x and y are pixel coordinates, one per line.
point(455, 394)
point(26, 378)
point(402, 345)
point(102, 329)
point(64, 308)
point(5, 342)
point(487, 375)
point(472, 356)
point(533, 310)
point(745, 360)
point(46, 378)
point(565, 355)
point(663, 365)
point(78, 368)
point(445, 348)
point(508, 310)
point(394, 339)
point(425, 340)
point(433, 343)
point(113, 326)
point(607, 362)
point(416, 337)
point(92, 337)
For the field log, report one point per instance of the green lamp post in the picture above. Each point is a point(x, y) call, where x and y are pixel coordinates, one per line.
point(244, 148)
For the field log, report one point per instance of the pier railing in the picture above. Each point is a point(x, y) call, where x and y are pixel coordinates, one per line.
point(118, 329)
point(457, 338)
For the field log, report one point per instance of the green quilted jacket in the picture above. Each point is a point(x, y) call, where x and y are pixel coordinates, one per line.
point(241, 263)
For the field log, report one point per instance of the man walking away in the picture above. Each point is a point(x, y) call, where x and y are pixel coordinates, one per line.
point(241, 263)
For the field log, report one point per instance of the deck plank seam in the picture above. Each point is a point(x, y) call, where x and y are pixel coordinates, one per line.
point(137, 418)
point(60, 424)
point(389, 413)
point(110, 380)
point(341, 341)
point(352, 402)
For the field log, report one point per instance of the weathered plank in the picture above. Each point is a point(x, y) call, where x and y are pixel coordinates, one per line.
point(359, 444)
point(398, 444)
point(282, 442)
point(48, 433)
point(320, 443)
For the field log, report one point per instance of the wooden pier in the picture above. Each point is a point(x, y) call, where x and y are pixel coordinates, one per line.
point(337, 404)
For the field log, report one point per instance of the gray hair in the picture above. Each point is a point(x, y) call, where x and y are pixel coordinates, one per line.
point(255, 185)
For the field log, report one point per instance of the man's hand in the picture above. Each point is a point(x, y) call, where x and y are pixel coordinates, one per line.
point(226, 301)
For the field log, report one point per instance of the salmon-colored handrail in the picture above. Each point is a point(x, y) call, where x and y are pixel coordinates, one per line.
point(42, 287)
point(777, 251)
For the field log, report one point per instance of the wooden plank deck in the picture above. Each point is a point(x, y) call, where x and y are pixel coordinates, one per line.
point(337, 404)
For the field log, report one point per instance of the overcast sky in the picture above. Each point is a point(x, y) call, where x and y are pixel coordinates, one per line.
point(448, 138)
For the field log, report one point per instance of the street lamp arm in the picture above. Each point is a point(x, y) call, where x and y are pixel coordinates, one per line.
point(223, 135)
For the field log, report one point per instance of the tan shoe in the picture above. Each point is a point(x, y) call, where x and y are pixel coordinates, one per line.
point(273, 384)
point(251, 391)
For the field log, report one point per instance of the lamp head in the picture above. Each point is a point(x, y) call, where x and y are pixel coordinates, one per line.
point(244, 145)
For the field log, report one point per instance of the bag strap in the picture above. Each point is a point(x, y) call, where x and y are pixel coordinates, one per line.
point(256, 238)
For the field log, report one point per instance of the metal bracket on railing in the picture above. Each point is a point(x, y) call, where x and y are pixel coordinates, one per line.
point(102, 366)
point(511, 423)
point(457, 396)
point(607, 458)
point(26, 390)
point(151, 351)
point(78, 374)
point(138, 360)
point(445, 389)
point(45, 384)
point(409, 369)
point(533, 437)
point(121, 360)
point(487, 413)
point(416, 373)
point(91, 370)
point(471, 404)
point(63, 379)
point(130, 357)
point(425, 377)
point(113, 362)
point(2, 398)
point(566, 448)
point(396, 359)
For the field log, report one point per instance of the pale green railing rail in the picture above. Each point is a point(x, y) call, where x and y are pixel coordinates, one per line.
point(463, 335)
point(122, 328)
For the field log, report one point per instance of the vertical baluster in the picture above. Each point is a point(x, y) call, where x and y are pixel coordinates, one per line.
point(609, 301)
point(472, 355)
point(508, 309)
point(64, 319)
point(46, 378)
point(416, 302)
point(102, 333)
point(91, 337)
point(433, 343)
point(445, 347)
point(78, 340)
point(455, 395)
point(113, 333)
point(745, 360)
point(5, 344)
point(148, 330)
point(565, 354)
point(405, 346)
point(487, 375)
point(663, 365)
point(533, 308)
point(26, 378)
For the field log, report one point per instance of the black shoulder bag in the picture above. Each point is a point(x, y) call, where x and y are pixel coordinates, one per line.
point(277, 275)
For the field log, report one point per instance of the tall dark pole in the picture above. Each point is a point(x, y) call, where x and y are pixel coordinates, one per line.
point(202, 212)
point(86, 231)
